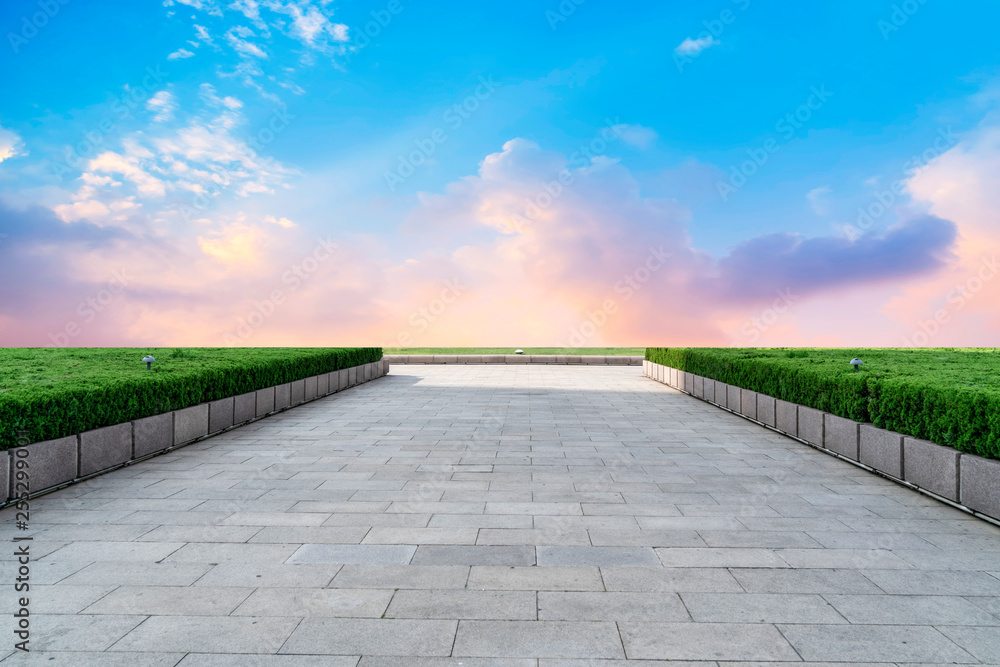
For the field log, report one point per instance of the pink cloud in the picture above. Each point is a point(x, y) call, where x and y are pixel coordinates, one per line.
point(529, 250)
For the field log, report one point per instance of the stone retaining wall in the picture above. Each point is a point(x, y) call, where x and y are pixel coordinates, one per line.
point(512, 359)
point(55, 463)
point(970, 481)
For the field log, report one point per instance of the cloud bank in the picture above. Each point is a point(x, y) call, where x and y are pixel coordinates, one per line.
point(532, 248)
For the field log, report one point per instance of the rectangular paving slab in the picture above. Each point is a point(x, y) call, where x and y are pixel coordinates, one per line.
point(705, 641)
point(355, 554)
point(541, 639)
point(387, 637)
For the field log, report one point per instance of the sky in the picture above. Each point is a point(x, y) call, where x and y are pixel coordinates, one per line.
point(572, 174)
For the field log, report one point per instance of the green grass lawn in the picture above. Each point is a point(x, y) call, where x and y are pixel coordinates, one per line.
point(948, 395)
point(26, 371)
point(599, 351)
point(54, 392)
point(953, 368)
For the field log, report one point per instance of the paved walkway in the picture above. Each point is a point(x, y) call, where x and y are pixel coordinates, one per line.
point(498, 515)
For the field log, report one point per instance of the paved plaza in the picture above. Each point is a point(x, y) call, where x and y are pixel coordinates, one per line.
point(550, 516)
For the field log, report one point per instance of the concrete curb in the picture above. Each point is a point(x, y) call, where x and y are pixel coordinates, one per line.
point(54, 464)
point(963, 480)
point(585, 360)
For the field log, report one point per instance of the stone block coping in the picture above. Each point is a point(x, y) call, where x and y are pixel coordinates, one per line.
point(57, 463)
point(963, 480)
point(512, 359)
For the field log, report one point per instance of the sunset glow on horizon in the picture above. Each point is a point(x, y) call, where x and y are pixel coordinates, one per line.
point(322, 173)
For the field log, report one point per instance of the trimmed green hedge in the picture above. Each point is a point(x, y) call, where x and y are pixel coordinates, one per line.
point(51, 393)
point(950, 396)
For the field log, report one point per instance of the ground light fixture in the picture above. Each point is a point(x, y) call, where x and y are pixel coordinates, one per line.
point(149, 361)
point(856, 363)
point(518, 351)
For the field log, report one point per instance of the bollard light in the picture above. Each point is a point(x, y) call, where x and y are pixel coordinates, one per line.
point(149, 361)
point(856, 363)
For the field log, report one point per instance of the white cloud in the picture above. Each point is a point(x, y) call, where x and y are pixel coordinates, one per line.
point(162, 104)
point(692, 47)
point(247, 30)
point(124, 204)
point(128, 166)
point(819, 200)
point(281, 222)
point(208, 94)
point(251, 10)
point(340, 32)
point(201, 5)
point(10, 144)
point(635, 135)
point(309, 24)
point(206, 157)
point(79, 210)
point(98, 181)
point(237, 39)
point(203, 35)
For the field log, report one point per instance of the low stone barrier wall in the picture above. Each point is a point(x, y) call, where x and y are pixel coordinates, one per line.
point(56, 463)
point(966, 480)
point(512, 359)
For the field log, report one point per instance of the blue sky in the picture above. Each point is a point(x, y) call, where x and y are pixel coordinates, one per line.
point(693, 88)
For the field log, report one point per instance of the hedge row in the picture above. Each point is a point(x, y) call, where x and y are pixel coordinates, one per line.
point(960, 415)
point(55, 411)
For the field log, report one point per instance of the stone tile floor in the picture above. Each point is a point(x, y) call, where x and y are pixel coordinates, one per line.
point(502, 515)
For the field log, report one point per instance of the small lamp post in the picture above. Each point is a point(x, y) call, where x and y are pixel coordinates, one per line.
point(149, 361)
point(856, 363)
